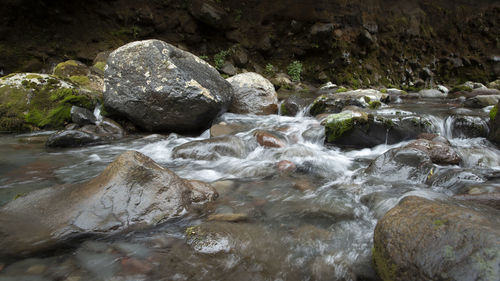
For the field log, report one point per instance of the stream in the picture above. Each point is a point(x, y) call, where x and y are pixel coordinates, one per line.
point(308, 210)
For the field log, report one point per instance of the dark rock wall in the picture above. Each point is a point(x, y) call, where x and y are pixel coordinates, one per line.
point(357, 43)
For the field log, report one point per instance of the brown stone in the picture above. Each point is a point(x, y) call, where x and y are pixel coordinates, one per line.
point(267, 139)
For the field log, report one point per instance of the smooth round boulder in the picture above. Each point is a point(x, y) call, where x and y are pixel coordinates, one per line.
point(133, 192)
point(253, 94)
point(159, 88)
point(421, 239)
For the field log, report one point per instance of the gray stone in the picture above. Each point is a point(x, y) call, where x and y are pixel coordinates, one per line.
point(72, 138)
point(132, 192)
point(253, 94)
point(162, 88)
point(481, 101)
point(82, 116)
point(432, 93)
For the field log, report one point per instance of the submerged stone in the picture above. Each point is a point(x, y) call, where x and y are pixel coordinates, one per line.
point(421, 239)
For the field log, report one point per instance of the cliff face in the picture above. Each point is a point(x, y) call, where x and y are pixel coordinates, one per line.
point(357, 43)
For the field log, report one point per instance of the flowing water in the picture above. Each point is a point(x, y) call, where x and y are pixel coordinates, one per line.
point(313, 222)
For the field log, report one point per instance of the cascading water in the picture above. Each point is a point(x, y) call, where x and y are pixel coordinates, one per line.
point(310, 210)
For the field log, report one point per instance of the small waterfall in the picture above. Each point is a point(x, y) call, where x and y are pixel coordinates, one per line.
point(280, 104)
point(304, 111)
point(97, 113)
point(442, 126)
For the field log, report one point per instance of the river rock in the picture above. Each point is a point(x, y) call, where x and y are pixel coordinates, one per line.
point(72, 138)
point(90, 134)
point(355, 128)
point(82, 116)
point(162, 88)
point(481, 101)
point(132, 192)
point(401, 164)
point(335, 102)
point(439, 152)
point(31, 101)
point(293, 105)
point(432, 93)
point(253, 94)
point(495, 124)
point(421, 239)
point(211, 149)
point(268, 139)
point(455, 179)
point(463, 126)
point(490, 199)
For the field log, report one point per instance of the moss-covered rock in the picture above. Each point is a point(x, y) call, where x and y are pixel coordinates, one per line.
point(493, 112)
point(71, 68)
point(31, 101)
point(337, 125)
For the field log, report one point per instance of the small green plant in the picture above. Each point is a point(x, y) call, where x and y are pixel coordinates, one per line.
point(220, 58)
point(294, 70)
point(269, 69)
point(383, 91)
point(205, 58)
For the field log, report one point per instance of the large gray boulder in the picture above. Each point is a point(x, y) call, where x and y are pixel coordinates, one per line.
point(132, 192)
point(253, 94)
point(162, 88)
point(420, 239)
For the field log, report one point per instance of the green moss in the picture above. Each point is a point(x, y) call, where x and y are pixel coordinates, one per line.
point(283, 109)
point(60, 94)
point(374, 104)
point(336, 125)
point(33, 76)
point(41, 105)
point(341, 90)
point(318, 105)
point(385, 269)
point(100, 65)
point(440, 222)
point(461, 88)
point(80, 79)
point(367, 99)
point(19, 195)
point(493, 112)
point(383, 91)
point(81, 101)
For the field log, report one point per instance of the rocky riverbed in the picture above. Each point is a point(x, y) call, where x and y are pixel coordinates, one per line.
point(250, 184)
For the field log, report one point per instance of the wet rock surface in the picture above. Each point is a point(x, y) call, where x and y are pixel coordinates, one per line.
point(405, 164)
point(253, 94)
point(211, 149)
point(421, 239)
point(162, 88)
point(132, 192)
